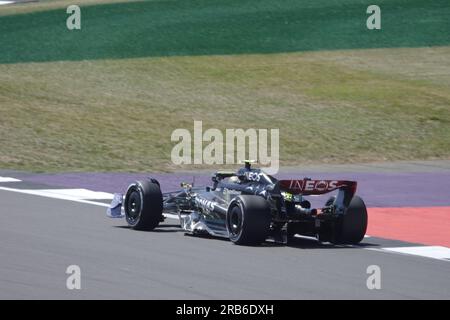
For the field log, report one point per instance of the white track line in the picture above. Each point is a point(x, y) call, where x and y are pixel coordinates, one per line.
point(82, 194)
point(434, 252)
point(8, 179)
point(6, 2)
point(54, 196)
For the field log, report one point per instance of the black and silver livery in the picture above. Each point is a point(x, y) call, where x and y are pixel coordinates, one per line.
point(248, 207)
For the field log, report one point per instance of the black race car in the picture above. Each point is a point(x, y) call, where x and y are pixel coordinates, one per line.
point(248, 207)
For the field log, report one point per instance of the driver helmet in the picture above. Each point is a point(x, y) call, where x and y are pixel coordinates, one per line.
point(234, 179)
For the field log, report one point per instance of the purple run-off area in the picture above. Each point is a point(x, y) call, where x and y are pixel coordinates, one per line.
point(377, 189)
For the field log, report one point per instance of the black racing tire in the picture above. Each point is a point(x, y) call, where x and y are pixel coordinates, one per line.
point(144, 205)
point(248, 220)
point(291, 231)
point(353, 225)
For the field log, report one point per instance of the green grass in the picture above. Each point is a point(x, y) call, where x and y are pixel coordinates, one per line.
point(119, 114)
point(217, 27)
point(108, 98)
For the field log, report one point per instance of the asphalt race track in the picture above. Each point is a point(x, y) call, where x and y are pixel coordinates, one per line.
point(41, 236)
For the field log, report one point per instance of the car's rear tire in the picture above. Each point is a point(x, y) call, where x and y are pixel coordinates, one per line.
point(352, 227)
point(144, 205)
point(248, 220)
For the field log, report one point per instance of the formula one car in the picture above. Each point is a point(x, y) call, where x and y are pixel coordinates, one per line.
point(248, 207)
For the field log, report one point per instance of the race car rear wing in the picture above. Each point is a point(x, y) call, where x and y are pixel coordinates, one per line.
point(346, 189)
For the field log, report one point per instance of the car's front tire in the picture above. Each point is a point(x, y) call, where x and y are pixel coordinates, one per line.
point(144, 205)
point(248, 220)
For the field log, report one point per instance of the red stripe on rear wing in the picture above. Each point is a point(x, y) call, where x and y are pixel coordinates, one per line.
point(316, 187)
